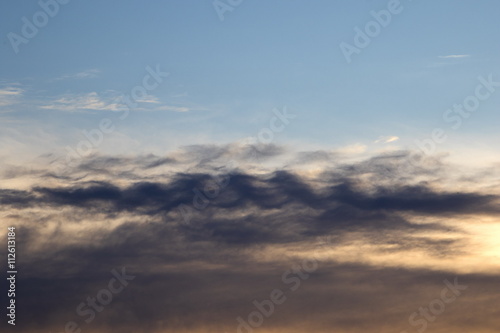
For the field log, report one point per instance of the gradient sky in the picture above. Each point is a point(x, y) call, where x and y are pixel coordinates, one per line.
point(230, 74)
point(347, 179)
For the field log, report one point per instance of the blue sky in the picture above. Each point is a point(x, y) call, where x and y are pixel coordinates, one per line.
point(230, 74)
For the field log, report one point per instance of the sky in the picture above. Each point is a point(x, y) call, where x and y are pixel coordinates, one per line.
point(209, 147)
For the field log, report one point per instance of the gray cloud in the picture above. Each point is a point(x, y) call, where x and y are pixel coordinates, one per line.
point(201, 274)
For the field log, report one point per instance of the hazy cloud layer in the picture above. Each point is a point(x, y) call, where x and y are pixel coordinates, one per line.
point(205, 238)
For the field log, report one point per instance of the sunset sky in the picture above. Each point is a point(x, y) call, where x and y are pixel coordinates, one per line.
point(251, 166)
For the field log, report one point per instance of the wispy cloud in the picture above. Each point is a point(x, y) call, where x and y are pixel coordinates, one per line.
point(449, 60)
point(172, 108)
point(109, 101)
point(90, 101)
point(148, 99)
point(87, 74)
point(455, 56)
point(10, 95)
point(387, 139)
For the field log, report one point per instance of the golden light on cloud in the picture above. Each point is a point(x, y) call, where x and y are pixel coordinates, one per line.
point(334, 226)
point(387, 139)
